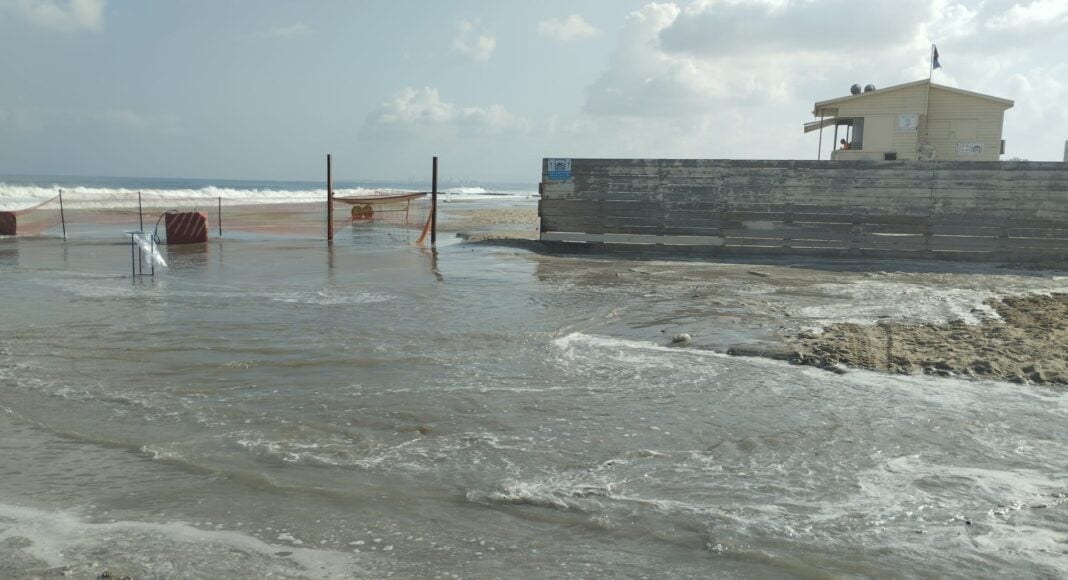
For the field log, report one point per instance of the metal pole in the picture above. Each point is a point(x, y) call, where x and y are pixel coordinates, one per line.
point(329, 198)
point(927, 104)
point(434, 205)
point(140, 213)
point(819, 148)
point(62, 217)
point(219, 217)
point(133, 257)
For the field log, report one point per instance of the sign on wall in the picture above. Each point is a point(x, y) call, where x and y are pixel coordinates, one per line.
point(559, 169)
point(908, 121)
point(969, 148)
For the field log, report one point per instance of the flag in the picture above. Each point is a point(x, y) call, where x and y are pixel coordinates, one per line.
point(934, 58)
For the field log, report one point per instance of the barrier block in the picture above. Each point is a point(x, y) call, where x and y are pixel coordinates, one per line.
point(8, 223)
point(187, 228)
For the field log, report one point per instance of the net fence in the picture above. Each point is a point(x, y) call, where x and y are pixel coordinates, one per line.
point(361, 215)
point(388, 216)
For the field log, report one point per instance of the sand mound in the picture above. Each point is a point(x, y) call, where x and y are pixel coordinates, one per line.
point(1028, 344)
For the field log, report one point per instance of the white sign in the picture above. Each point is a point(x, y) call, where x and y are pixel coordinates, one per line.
point(908, 122)
point(969, 148)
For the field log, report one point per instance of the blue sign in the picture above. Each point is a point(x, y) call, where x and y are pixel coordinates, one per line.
point(559, 169)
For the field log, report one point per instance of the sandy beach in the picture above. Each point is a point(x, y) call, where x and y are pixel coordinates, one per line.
point(518, 223)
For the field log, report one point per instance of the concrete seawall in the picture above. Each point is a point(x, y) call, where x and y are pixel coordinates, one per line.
point(943, 209)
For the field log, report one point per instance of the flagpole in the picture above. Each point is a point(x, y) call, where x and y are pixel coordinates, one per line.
point(930, 71)
point(927, 97)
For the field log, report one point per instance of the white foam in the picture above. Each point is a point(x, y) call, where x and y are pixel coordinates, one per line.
point(581, 345)
point(86, 287)
point(66, 539)
point(868, 301)
point(331, 298)
point(483, 193)
point(14, 197)
point(19, 197)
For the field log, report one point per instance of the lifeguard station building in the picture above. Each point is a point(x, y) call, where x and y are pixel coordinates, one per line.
point(918, 120)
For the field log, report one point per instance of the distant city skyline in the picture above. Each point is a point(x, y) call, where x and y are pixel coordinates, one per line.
point(264, 89)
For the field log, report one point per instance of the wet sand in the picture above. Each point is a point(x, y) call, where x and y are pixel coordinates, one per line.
point(481, 224)
point(1026, 343)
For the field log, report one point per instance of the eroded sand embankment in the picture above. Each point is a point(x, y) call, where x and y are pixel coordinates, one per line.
point(1028, 344)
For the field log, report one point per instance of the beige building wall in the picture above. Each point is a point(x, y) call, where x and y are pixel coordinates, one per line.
point(881, 112)
point(917, 123)
point(963, 127)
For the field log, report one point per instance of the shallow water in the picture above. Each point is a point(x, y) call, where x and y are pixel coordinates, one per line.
point(274, 407)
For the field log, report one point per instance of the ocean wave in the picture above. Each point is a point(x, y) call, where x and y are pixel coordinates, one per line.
point(20, 197)
point(17, 197)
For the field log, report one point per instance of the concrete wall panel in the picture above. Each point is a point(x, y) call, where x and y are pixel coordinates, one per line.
point(967, 210)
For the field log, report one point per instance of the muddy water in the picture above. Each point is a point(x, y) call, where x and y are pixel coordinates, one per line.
point(273, 407)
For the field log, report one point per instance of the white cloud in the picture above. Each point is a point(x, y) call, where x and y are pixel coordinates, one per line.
point(694, 59)
point(424, 108)
point(64, 15)
point(127, 119)
point(415, 107)
point(736, 78)
point(728, 28)
point(571, 28)
point(472, 44)
point(283, 32)
point(644, 79)
point(1042, 13)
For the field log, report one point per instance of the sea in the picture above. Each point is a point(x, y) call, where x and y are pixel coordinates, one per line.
point(272, 406)
point(22, 192)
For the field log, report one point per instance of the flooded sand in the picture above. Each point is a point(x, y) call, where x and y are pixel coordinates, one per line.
point(274, 407)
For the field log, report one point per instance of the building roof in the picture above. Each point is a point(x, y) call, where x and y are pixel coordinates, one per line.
point(832, 102)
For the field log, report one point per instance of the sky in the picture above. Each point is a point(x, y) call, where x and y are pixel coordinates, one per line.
point(264, 89)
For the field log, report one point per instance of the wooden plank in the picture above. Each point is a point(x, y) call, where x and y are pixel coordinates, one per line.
point(632, 239)
point(770, 243)
point(1035, 233)
point(938, 229)
point(584, 223)
point(593, 195)
point(783, 230)
point(600, 208)
point(1034, 243)
point(904, 220)
point(685, 205)
point(961, 243)
point(893, 229)
point(691, 231)
point(600, 229)
point(692, 223)
point(896, 242)
point(1007, 220)
point(744, 216)
point(844, 244)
